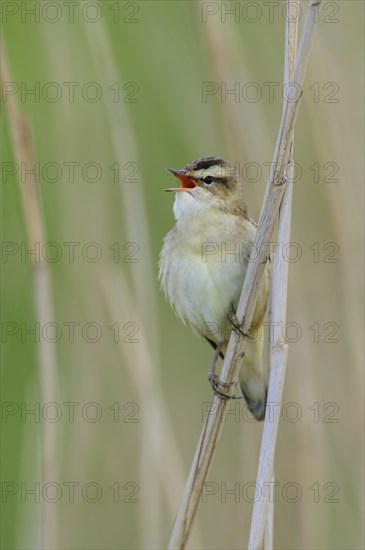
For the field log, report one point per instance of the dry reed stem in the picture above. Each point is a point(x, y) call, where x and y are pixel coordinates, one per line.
point(278, 301)
point(269, 523)
point(274, 191)
point(43, 302)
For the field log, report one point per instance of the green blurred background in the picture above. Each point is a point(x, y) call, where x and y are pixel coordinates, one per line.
point(138, 404)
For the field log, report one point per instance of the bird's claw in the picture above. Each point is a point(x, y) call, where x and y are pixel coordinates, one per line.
point(237, 327)
point(219, 387)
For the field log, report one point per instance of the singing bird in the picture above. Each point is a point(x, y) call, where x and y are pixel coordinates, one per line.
point(203, 263)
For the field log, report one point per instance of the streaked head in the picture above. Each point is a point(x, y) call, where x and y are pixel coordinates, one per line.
point(211, 181)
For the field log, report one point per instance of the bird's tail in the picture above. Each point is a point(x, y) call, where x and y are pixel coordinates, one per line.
point(256, 400)
point(253, 380)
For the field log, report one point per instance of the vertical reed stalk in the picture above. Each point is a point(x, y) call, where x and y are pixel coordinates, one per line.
point(279, 286)
point(269, 524)
point(43, 301)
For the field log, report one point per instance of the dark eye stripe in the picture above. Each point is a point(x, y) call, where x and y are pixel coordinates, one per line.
point(206, 163)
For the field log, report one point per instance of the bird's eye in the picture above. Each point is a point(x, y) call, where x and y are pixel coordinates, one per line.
point(208, 180)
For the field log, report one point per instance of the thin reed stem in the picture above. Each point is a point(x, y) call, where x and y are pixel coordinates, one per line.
point(269, 524)
point(279, 286)
point(43, 301)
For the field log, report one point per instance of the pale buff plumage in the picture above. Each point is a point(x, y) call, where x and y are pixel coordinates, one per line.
point(203, 264)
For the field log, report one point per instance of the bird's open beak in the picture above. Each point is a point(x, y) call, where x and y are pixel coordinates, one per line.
point(186, 184)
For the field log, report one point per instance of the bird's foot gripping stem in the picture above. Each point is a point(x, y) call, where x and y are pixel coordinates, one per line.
point(238, 327)
point(219, 387)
